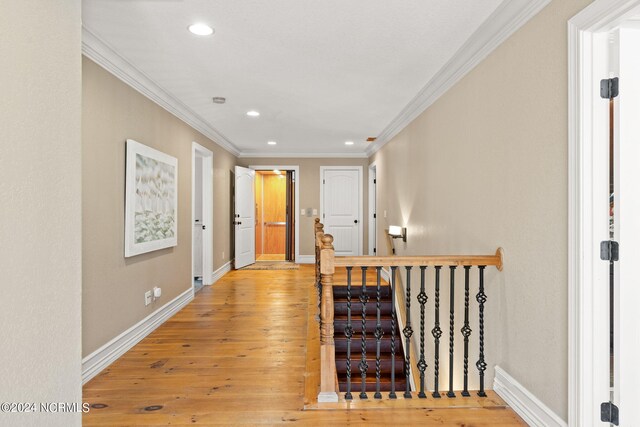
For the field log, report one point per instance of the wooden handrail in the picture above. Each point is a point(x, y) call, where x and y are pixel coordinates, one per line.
point(326, 263)
point(430, 260)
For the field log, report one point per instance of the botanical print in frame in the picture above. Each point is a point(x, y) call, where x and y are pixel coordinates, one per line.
point(151, 206)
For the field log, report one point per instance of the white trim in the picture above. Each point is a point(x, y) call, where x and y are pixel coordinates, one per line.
point(220, 272)
point(207, 209)
point(523, 402)
point(296, 169)
point(503, 22)
point(360, 198)
point(327, 397)
point(588, 319)
point(273, 154)
point(372, 175)
point(94, 363)
point(306, 259)
point(104, 55)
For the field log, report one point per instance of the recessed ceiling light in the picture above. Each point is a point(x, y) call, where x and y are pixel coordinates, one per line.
point(219, 99)
point(253, 113)
point(272, 143)
point(201, 29)
point(348, 143)
point(276, 171)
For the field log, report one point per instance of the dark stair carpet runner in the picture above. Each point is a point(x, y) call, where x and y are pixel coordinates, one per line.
point(340, 322)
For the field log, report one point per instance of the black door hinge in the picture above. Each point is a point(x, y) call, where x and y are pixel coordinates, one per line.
point(323, 181)
point(375, 181)
point(374, 216)
point(374, 250)
point(609, 413)
point(609, 88)
point(609, 250)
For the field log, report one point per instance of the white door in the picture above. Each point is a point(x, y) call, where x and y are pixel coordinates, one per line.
point(341, 201)
point(626, 221)
point(244, 221)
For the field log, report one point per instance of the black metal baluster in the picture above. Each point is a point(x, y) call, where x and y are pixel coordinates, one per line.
point(437, 333)
point(407, 331)
point(378, 334)
point(452, 275)
point(363, 362)
point(466, 331)
point(422, 299)
point(348, 332)
point(392, 393)
point(481, 297)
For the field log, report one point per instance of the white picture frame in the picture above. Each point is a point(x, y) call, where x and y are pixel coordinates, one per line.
point(151, 201)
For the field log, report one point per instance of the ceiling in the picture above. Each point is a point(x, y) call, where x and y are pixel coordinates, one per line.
point(319, 72)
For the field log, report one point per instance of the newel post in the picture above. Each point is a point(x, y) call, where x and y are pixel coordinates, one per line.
point(328, 375)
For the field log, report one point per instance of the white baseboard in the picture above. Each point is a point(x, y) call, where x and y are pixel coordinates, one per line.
point(523, 402)
point(217, 275)
point(306, 259)
point(385, 274)
point(327, 397)
point(94, 363)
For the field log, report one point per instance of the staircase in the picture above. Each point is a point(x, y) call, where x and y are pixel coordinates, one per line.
point(340, 322)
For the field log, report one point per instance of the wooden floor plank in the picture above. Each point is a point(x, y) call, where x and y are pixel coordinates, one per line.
point(239, 355)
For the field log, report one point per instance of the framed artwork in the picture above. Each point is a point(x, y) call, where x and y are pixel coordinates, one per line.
point(151, 204)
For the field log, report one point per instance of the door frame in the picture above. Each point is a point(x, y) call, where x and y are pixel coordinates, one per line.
point(588, 296)
point(360, 198)
point(373, 172)
point(207, 210)
point(296, 169)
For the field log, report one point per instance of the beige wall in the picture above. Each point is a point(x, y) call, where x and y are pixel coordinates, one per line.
point(486, 166)
point(309, 182)
point(40, 246)
point(114, 287)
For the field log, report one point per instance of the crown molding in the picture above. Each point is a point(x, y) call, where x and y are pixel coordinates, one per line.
point(502, 23)
point(271, 154)
point(105, 56)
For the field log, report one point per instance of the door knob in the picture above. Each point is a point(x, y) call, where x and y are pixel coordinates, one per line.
point(355, 221)
point(204, 227)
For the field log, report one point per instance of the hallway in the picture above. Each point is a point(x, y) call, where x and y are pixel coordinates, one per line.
point(236, 355)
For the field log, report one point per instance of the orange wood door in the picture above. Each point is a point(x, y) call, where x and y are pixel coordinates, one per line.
point(274, 214)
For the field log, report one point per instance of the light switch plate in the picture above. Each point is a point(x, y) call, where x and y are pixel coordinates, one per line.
point(315, 211)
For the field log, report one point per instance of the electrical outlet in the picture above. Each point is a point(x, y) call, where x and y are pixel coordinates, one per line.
point(222, 254)
point(315, 211)
point(147, 298)
point(385, 214)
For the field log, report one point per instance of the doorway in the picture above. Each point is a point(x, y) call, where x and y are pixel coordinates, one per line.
point(604, 213)
point(275, 215)
point(202, 216)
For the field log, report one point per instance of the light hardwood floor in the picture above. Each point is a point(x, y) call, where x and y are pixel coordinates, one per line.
point(236, 356)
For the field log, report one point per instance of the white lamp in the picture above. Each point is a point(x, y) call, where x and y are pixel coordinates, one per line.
point(397, 232)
